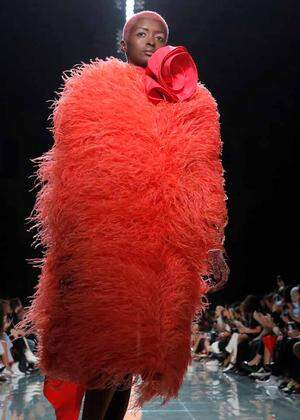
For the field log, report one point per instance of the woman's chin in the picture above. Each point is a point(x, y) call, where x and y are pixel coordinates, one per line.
point(139, 59)
point(144, 61)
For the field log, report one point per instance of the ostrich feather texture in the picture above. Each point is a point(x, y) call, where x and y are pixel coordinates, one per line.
point(131, 199)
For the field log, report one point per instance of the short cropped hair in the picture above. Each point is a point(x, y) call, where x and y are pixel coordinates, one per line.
point(144, 14)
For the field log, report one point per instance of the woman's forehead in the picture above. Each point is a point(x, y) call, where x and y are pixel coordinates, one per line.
point(151, 24)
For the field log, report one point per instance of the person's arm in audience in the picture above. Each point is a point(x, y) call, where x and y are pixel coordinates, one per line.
point(224, 334)
point(246, 330)
point(294, 334)
point(264, 320)
point(295, 318)
point(196, 342)
point(15, 334)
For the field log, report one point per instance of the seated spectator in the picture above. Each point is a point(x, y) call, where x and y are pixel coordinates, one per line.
point(17, 310)
point(14, 345)
point(246, 330)
point(6, 359)
point(287, 364)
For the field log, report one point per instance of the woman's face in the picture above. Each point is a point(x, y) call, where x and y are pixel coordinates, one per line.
point(195, 328)
point(145, 37)
point(218, 310)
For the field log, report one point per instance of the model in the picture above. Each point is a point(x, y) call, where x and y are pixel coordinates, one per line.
point(131, 214)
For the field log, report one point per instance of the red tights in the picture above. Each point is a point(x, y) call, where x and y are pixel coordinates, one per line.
point(99, 404)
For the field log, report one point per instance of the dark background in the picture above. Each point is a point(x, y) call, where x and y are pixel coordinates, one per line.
point(247, 54)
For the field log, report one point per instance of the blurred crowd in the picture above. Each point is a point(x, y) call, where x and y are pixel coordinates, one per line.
point(258, 337)
point(17, 350)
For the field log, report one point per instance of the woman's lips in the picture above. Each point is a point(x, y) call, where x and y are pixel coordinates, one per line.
point(148, 53)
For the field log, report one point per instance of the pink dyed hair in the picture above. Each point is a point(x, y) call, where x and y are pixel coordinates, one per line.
point(144, 14)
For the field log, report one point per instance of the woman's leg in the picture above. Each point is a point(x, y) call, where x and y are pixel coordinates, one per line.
point(96, 403)
point(118, 405)
point(5, 356)
point(267, 356)
point(242, 352)
point(232, 347)
point(269, 345)
point(255, 360)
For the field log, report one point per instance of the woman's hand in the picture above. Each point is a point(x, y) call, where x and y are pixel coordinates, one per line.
point(242, 330)
point(223, 335)
point(264, 320)
point(16, 333)
point(219, 267)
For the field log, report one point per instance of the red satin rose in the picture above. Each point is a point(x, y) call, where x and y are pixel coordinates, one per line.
point(171, 75)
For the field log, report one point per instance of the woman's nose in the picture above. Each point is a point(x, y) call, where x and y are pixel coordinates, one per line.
point(151, 41)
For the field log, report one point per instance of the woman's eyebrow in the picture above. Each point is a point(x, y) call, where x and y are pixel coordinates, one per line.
point(146, 29)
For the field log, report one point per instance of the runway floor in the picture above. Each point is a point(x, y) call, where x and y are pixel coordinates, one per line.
point(206, 394)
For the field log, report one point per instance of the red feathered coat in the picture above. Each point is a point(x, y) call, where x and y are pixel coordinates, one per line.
point(132, 198)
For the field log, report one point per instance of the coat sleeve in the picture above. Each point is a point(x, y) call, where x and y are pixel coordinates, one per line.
point(215, 200)
point(199, 213)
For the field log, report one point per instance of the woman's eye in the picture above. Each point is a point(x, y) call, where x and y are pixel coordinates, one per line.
point(160, 39)
point(140, 33)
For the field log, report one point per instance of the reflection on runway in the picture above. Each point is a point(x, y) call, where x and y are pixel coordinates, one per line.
point(206, 394)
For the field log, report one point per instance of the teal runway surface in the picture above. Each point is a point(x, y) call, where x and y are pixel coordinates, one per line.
point(206, 394)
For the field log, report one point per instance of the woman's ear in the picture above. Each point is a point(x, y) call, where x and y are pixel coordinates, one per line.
point(123, 46)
